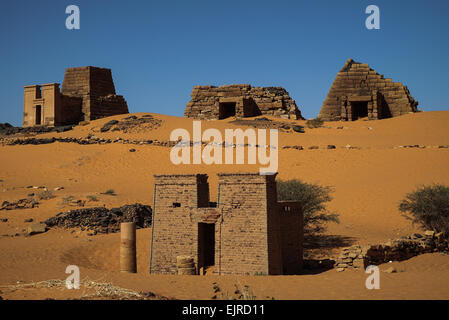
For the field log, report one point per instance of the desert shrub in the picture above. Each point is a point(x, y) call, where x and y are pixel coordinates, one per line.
point(239, 294)
point(312, 199)
point(68, 199)
point(314, 123)
point(45, 195)
point(92, 198)
point(429, 207)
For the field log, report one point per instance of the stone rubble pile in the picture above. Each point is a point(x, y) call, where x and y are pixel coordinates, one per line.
point(396, 250)
point(19, 204)
point(101, 219)
point(132, 123)
point(6, 129)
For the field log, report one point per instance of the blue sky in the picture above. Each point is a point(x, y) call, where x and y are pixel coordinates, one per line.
point(158, 50)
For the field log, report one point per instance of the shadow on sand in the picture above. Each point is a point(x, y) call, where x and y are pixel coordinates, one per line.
point(317, 246)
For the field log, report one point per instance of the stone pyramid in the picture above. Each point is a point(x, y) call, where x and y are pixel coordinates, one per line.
point(360, 92)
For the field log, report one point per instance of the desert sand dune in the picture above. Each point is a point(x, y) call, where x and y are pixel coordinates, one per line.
point(369, 179)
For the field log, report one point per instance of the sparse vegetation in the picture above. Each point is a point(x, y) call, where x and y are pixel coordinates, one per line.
point(68, 199)
point(110, 192)
point(92, 198)
point(239, 294)
point(314, 123)
point(45, 195)
point(429, 207)
point(312, 199)
point(89, 290)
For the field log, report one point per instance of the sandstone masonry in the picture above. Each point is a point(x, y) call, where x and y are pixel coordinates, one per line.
point(358, 91)
point(88, 93)
point(246, 232)
point(240, 100)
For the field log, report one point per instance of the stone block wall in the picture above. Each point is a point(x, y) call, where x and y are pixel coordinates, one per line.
point(106, 106)
point(96, 88)
point(405, 248)
point(246, 245)
point(88, 93)
point(70, 111)
point(175, 220)
point(208, 102)
point(32, 98)
point(357, 82)
point(243, 231)
point(42, 105)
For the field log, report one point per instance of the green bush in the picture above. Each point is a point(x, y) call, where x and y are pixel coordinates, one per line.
point(110, 192)
point(92, 198)
point(429, 207)
point(312, 199)
point(314, 123)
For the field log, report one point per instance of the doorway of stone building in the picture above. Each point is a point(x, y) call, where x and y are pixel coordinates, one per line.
point(359, 109)
point(226, 110)
point(206, 247)
point(38, 115)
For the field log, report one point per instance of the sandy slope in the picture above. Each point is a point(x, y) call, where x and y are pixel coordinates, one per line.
point(368, 182)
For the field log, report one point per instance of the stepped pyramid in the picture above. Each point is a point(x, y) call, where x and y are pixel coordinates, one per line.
point(358, 92)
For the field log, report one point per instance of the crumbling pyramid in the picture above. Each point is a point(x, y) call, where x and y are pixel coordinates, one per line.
point(240, 100)
point(359, 92)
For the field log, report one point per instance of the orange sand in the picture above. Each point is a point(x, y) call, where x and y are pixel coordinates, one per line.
point(368, 182)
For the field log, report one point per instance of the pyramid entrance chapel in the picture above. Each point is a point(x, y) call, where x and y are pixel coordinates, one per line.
point(360, 92)
point(88, 93)
point(246, 232)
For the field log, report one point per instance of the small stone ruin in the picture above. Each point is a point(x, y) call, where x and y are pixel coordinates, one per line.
point(240, 100)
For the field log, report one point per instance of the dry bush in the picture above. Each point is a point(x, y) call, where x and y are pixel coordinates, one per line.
point(312, 199)
point(429, 207)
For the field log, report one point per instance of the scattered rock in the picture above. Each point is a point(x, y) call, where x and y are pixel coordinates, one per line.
point(331, 146)
point(19, 204)
point(131, 123)
point(29, 220)
point(108, 125)
point(314, 147)
point(7, 129)
point(340, 269)
point(299, 129)
point(36, 229)
point(439, 236)
point(4, 220)
point(132, 150)
point(58, 188)
point(391, 270)
point(429, 233)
